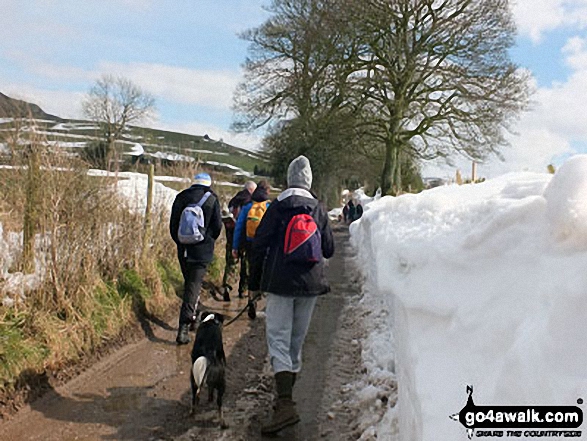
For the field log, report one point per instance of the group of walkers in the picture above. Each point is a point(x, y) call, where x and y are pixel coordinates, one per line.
point(281, 246)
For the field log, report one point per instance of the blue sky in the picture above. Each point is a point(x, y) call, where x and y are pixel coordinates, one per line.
point(188, 55)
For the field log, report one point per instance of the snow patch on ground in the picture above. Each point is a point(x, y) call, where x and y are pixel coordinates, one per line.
point(15, 285)
point(239, 171)
point(481, 284)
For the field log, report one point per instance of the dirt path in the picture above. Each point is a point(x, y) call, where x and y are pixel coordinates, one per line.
point(141, 392)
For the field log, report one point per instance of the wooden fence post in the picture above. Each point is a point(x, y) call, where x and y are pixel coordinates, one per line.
point(148, 209)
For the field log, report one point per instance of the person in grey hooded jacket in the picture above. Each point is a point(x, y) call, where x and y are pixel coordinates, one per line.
point(292, 287)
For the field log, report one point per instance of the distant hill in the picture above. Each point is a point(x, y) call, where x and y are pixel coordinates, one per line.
point(139, 142)
point(13, 108)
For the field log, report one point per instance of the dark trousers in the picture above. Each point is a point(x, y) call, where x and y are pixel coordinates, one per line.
point(245, 252)
point(230, 267)
point(193, 275)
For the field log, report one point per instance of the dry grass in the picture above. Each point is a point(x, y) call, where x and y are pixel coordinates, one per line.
point(87, 241)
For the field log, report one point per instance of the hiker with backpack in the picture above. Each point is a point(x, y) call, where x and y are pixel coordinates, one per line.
point(246, 225)
point(235, 205)
point(291, 243)
point(195, 224)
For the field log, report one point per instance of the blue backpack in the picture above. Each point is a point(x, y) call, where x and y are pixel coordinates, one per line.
point(191, 224)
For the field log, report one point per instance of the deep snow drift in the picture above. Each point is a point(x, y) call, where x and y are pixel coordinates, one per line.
point(482, 284)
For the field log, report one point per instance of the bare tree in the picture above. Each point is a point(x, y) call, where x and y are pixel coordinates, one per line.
point(440, 75)
point(296, 83)
point(424, 78)
point(114, 102)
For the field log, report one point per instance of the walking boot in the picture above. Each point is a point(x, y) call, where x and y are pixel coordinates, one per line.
point(183, 337)
point(293, 383)
point(285, 414)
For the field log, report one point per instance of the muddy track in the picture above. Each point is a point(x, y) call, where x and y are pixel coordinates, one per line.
point(141, 392)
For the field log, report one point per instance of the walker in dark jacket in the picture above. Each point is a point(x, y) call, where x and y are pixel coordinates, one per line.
point(292, 288)
point(241, 242)
point(269, 270)
point(194, 259)
point(235, 206)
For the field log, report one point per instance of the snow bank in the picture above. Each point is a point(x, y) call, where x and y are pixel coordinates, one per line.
point(134, 192)
point(485, 285)
point(360, 197)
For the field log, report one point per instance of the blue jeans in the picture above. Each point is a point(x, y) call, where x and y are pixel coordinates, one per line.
point(288, 320)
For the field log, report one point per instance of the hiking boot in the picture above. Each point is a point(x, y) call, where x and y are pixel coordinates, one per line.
point(183, 337)
point(226, 295)
point(293, 383)
point(285, 414)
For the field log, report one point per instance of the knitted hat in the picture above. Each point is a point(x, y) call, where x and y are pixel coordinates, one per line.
point(299, 173)
point(203, 179)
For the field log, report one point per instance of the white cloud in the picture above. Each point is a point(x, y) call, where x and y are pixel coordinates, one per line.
point(535, 17)
point(207, 88)
point(59, 103)
point(549, 132)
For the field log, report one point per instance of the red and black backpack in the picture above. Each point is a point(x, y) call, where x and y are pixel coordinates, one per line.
point(303, 241)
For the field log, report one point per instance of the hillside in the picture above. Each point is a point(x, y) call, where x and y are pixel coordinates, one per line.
point(154, 145)
point(13, 108)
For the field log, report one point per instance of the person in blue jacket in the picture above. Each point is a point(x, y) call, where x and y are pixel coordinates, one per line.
point(247, 223)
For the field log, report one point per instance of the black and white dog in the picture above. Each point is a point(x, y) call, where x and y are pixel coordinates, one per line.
point(208, 361)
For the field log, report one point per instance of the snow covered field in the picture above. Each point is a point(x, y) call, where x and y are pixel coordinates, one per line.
point(481, 285)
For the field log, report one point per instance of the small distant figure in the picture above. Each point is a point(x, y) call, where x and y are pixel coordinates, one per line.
point(345, 213)
point(194, 225)
point(351, 213)
point(358, 211)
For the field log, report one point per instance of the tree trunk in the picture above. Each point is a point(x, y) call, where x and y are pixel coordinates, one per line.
point(388, 168)
point(398, 172)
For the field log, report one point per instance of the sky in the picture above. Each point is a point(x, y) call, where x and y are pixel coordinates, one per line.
point(188, 54)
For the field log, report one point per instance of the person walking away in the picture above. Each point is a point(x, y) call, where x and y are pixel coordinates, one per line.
point(359, 211)
point(246, 225)
point(345, 213)
point(352, 212)
point(235, 205)
point(291, 243)
point(230, 263)
point(194, 225)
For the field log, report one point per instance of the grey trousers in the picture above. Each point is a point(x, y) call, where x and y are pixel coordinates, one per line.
point(288, 320)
